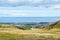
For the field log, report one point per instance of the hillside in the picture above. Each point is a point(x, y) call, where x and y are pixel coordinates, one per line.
point(9, 32)
point(15, 27)
point(52, 26)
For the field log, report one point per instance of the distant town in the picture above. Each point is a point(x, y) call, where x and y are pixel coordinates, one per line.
point(33, 24)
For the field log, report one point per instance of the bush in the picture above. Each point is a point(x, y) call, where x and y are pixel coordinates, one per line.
point(38, 27)
point(27, 27)
point(24, 27)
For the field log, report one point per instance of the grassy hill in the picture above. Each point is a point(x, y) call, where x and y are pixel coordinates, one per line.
point(9, 32)
point(16, 27)
point(52, 26)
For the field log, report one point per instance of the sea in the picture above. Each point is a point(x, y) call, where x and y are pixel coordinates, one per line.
point(28, 19)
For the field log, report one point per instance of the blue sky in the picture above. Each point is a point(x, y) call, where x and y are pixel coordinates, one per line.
point(29, 8)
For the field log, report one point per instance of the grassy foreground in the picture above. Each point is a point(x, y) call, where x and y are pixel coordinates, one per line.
point(33, 34)
point(7, 36)
point(49, 32)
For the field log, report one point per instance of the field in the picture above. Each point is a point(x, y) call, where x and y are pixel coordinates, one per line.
point(33, 34)
point(49, 32)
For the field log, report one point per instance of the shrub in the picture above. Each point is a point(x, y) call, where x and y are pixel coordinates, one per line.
point(24, 27)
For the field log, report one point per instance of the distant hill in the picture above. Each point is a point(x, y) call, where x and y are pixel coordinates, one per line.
point(28, 27)
point(51, 26)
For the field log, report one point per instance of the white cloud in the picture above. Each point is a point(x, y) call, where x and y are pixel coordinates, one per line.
point(20, 2)
point(17, 14)
point(12, 1)
point(11, 14)
point(55, 0)
point(57, 6)
point(16, 1)
point(31, 3)
point(37, 1)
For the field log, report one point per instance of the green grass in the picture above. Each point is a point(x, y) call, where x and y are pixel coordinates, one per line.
point(18, 27)
point(14, 36)
point(8, 36)
point(23, 28)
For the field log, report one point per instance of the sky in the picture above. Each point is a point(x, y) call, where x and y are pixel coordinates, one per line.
point(29, 8)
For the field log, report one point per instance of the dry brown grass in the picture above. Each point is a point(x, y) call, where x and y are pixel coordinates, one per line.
point(33, 31)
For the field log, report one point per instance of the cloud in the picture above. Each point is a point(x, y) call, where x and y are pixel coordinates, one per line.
point(21, 2)
point(55, 0)
point(12, 1)
point(17, 14)
point(56, 6)
point(27, 12)
point(12, 14)
point(31, 3)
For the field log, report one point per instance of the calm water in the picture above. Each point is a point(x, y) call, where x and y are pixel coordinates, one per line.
point(29, 19)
